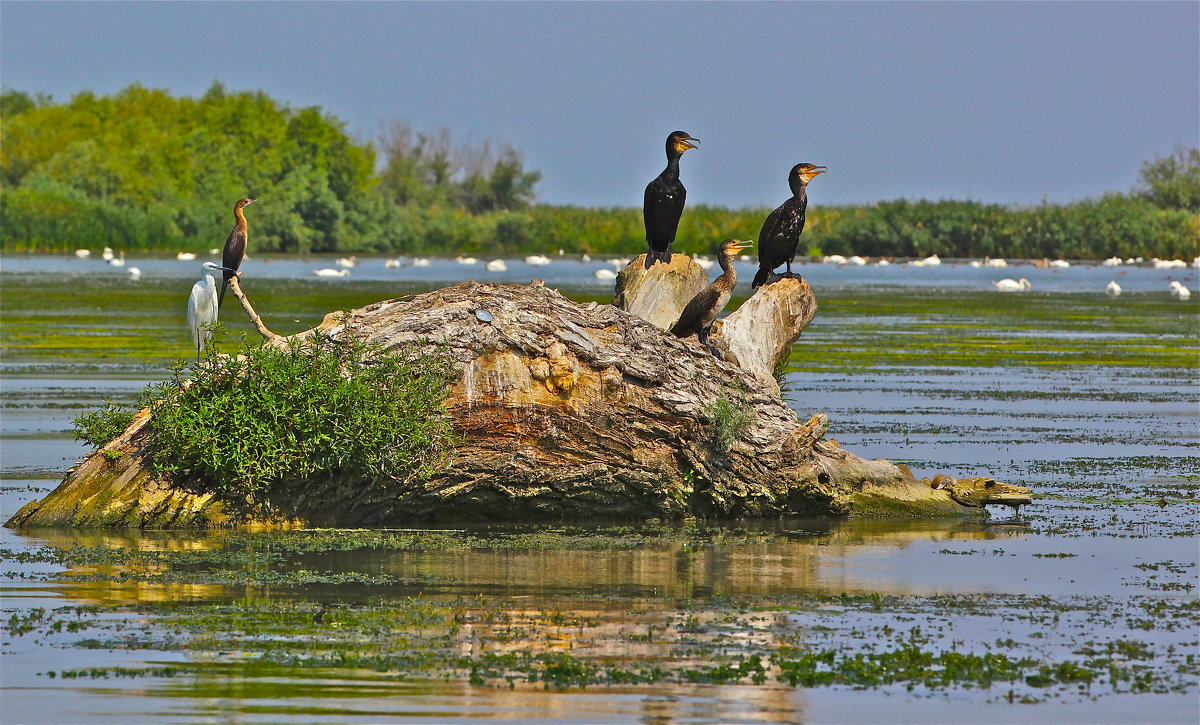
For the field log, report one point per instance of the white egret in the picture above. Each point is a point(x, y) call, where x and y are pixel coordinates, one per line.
point(585, 257)
point(1113, 289)
point(202, 306)
point(1012, 285)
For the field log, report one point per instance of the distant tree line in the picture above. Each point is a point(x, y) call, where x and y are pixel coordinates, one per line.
point(143, 170)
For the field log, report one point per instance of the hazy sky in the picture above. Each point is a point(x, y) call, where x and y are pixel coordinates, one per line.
point(1005, 102)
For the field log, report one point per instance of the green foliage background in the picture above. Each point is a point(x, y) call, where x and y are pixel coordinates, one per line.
point(146, 171)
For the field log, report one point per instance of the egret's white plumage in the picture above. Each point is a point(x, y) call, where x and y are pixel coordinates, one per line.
point(1113, 289)
point(202, 306)
point(1012, 285)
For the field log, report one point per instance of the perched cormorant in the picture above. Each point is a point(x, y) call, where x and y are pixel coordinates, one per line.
point(235, 247)
point(664, 199)
point(781, 231)
point(701, 312)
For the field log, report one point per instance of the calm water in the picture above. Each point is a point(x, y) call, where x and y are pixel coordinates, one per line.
point(1090, 400)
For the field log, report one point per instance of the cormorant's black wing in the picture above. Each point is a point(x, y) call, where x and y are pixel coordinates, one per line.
point(780, 234)
point(694, 315)
point(662, 207)
point(231, 257)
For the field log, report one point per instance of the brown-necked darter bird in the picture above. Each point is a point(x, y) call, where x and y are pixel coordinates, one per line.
point(235, 246)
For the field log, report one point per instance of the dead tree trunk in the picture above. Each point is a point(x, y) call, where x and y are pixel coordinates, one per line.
point(566, 411)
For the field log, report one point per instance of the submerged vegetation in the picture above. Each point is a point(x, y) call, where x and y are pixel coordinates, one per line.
point(263, 427)
point(144, 170)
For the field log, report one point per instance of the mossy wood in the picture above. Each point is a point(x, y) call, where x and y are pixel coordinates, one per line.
point(565, 411)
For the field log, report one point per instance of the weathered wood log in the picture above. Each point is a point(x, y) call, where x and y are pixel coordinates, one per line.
point(659, 294)
point(566, 411)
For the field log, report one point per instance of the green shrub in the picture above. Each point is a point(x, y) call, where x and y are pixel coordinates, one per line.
point(730, 422)
point(262, 429)
point(99, 427)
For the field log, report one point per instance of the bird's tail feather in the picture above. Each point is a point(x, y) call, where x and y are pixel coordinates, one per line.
point(221, 294)
point(760, 277)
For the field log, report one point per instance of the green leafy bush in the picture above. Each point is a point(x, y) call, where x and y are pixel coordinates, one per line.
point(99, 427)
point(261, 427)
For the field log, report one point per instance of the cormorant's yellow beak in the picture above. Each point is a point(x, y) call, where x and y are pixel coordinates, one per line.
point(742, 245)
point(810, 173)
point(683, 144)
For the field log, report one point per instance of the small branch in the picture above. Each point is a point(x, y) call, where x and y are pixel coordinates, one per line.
point(258, 323)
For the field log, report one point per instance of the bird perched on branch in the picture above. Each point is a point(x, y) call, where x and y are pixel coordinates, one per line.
point(781, 231)
point(663, 203)
point(235, 247)
point(202, 305)
point(701, 312)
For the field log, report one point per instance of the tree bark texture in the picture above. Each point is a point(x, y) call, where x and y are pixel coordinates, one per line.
point(566, 411)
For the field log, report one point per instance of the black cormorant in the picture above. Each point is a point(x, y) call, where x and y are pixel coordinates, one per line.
point(701, 312)
point(781, 231)
point(664, 199)
point(235, 247)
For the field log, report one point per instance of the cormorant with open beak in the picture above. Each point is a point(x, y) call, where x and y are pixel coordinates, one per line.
point(663, 204)
point(701, 312)
point(235, 246)
point(780, 233)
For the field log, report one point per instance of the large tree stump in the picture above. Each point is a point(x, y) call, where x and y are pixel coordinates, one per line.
point(566, 411)
point(659, 294)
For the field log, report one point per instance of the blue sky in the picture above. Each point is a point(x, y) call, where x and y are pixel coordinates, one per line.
point(1000, 102)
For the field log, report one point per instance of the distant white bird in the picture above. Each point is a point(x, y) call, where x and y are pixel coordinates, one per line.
point(932, 260)
point(107, 254)
point(134, 273)
point(214, 252)
point(1113, 289)
point(538, 260)
point(1177, 289)
point(585, 257)
point(975, 263)
point(497, 265)
point(420, 262)
point(744, 258)
point(83, 253)
point(465, 260)
point(1131, 260)
point(185, 256)
point(996, 263)
point(705, 264)
point(391, 264)
point(1112, 262)
point(605, 273)
point(202, 306)
point(1060, 264)
point(882, 263)
point(833, 259)
point(856, 261)
point(347, 262)
point(1196, 262)
point(1169, 264)
point(1012, 285)
point(117, 261)
point(619, 262)
point(330, 272)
